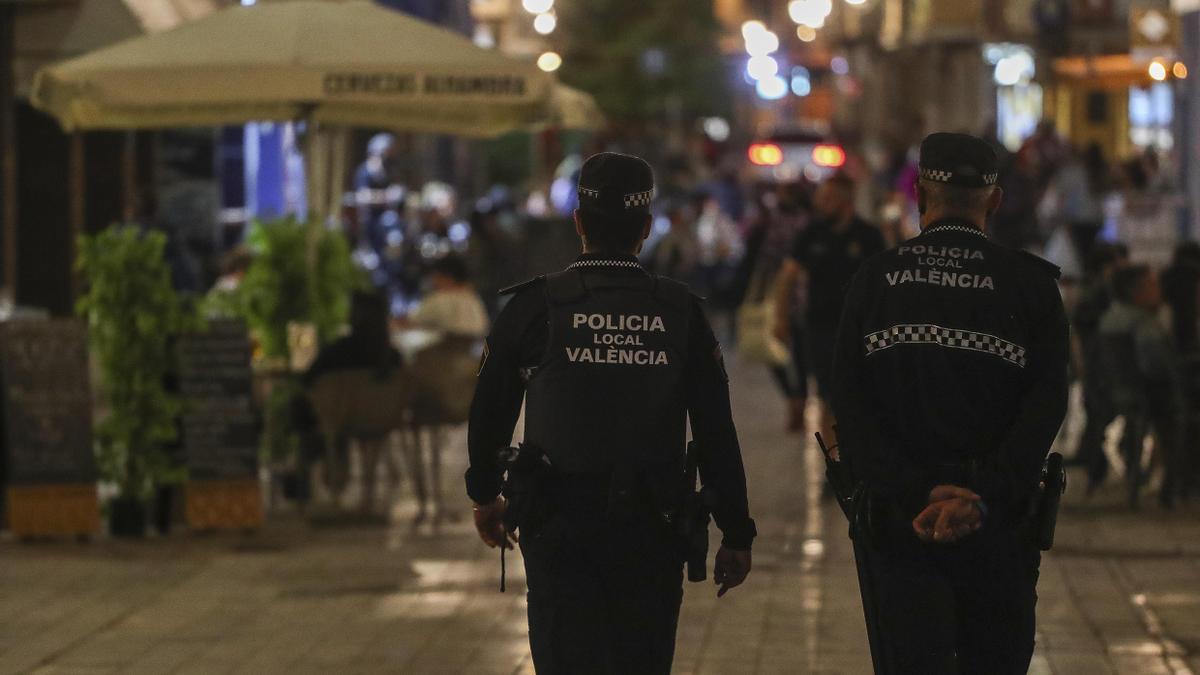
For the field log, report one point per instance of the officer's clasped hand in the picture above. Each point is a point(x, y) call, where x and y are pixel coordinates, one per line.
point(730, 569)
point(489, 523)
point(953, 513)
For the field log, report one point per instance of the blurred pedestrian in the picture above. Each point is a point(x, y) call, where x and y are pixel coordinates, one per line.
point(1094, 300)
point(611, 362)
point(1046, 151)
point(1181, 291)
point(777, 219)
point(950, 387)
point(223, 300)
point(1075, 197)
point(377, 193)
point(677, 254)
point(451, 307)
point(367, 347)
point(493, 249)
point(1015, 224)
point(826, 254)
point(720, 249)
point(1144, 374)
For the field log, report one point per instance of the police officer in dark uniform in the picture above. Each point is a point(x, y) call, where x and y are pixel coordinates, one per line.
point(950, 387)
point(612, 363)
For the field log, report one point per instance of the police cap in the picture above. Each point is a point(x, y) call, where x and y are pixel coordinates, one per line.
point(613, 184)
point(958, 159)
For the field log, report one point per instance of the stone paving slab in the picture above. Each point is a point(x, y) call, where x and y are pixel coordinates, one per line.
point(1120, 594)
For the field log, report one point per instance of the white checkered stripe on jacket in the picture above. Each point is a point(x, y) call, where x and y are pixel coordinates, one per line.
point(952, 338)
point(638, 199)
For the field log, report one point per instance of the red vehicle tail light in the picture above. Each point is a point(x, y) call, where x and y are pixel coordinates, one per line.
point(766, 154)
point(831, 156)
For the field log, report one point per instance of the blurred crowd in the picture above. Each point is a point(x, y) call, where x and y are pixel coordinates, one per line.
point(1137, 358)
point(773, 260)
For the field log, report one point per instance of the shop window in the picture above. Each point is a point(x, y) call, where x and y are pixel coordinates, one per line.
point(1151, 113)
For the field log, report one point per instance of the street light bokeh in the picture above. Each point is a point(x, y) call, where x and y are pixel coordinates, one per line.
point(537, 6)
point(1158, 71)
point(772, 88)
point(801, 81)
point(761, 67)
point(761, 43)
point(811, 13)
point(751, 27)
point(549, 61)
point(545, 23)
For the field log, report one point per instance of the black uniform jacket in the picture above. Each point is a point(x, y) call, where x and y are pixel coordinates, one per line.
point(951, 367)
point(517, 344)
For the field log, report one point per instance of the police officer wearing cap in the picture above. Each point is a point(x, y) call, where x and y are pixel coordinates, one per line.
point(950, 385)
point(612, 363)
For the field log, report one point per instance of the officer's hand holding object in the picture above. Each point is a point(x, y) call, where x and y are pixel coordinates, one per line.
point(489, 523)
point(731, 568)
point(953, 513)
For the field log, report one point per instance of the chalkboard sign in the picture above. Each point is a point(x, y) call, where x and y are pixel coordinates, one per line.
point(47, 402)
point(220, 430)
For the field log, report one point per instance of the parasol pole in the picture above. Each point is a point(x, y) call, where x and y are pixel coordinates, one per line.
point(311, 150)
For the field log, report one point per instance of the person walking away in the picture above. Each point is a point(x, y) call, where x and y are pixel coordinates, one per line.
point(677, 254)
point(1075, 198)
point(720, 250)
point(826, 254)
point(1015, 225)
point(1146, 386)
point(1181, 291)
point(950, 385)
point(779, 216)
point(612, 363)
point(1094, 300)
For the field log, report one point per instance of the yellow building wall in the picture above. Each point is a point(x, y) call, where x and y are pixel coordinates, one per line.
point(1068, 107)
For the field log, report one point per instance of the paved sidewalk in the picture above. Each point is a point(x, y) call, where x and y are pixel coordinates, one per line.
point(1121, 593)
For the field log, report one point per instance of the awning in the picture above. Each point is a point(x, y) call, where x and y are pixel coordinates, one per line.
point(352, 63)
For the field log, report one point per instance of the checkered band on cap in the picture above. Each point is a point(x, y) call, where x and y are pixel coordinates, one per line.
point(937, 175)
point(950, 338)
point(991, 178)
point(588, 192)
point(637, 199)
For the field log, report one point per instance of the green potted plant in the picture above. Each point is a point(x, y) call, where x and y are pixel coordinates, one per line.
point(284, 284)
point(298, 274)
point(133, 313)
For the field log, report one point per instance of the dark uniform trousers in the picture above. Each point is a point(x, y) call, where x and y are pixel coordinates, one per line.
point(604, 592)
point(954, 609)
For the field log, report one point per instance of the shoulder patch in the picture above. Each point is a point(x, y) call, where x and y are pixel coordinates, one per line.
point(517, 288)
point(1040, 263)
